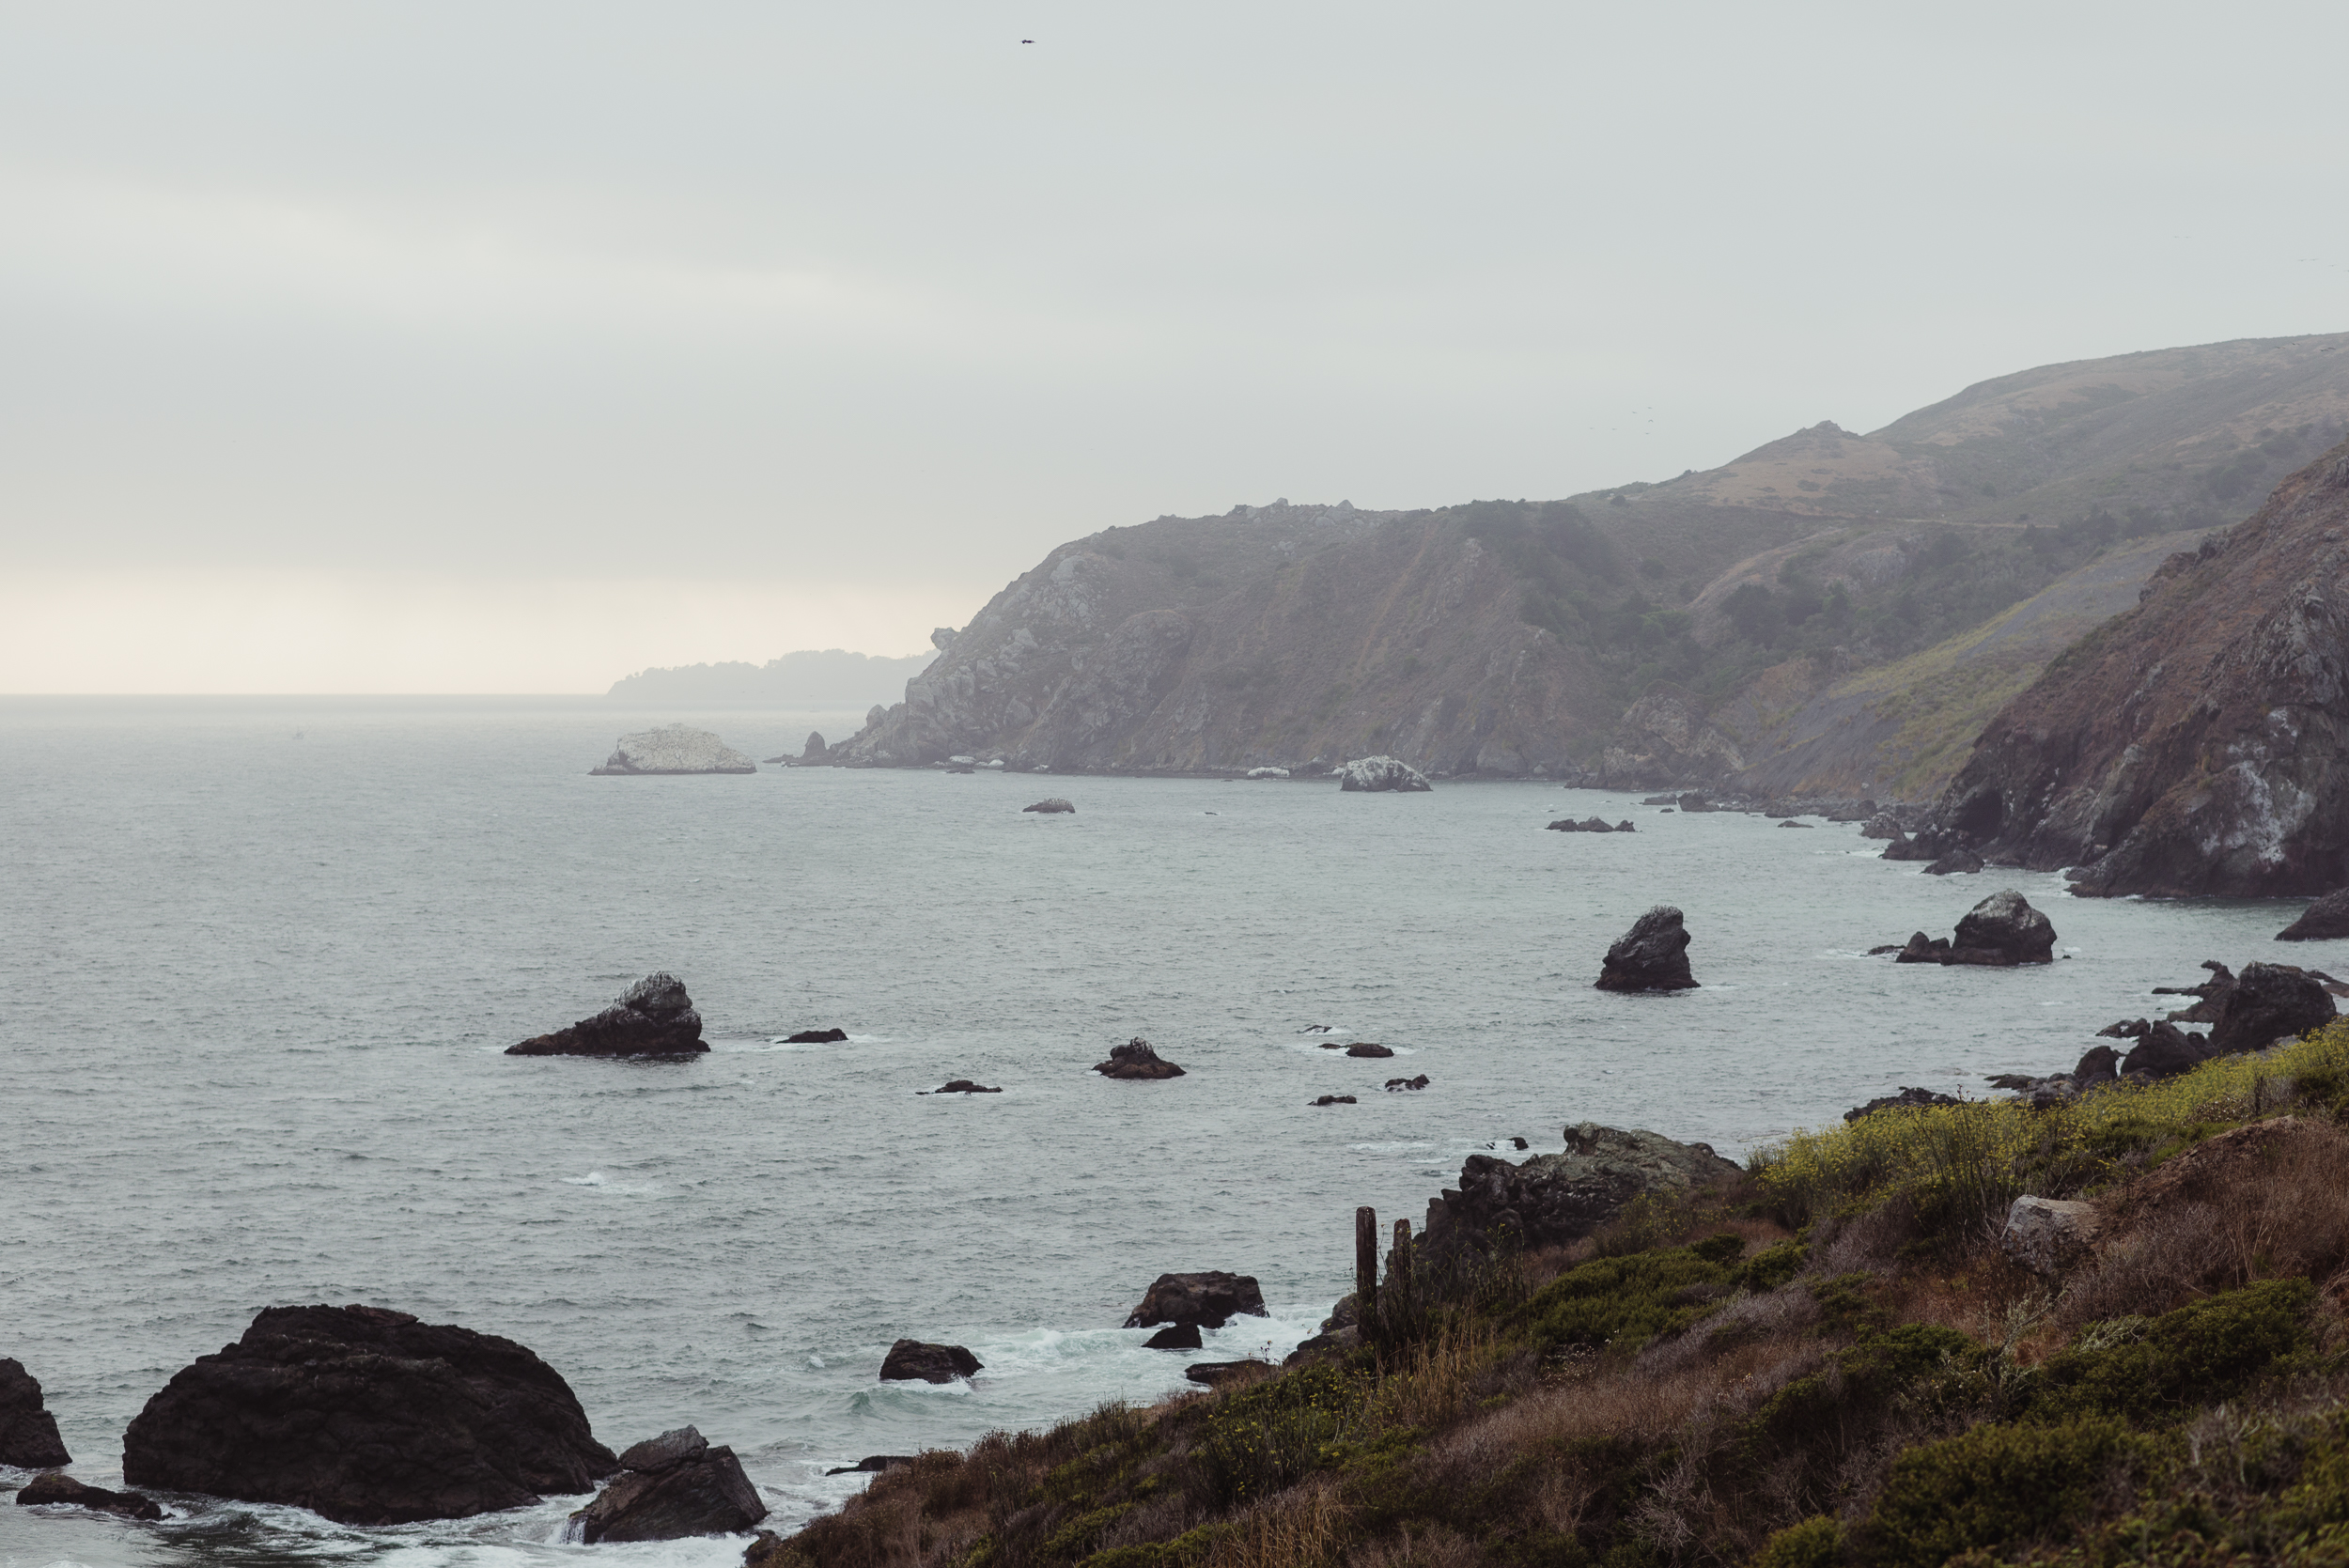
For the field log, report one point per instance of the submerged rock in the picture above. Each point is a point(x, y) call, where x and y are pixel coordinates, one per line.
point(1653, 956)
point(670, 1488)
point(653, 1018)
point(914, 1361)
point(1204, 1300)
point(28, 1433)
point(1332, 1099)
point(1396, 1085)
point(675, 748)
point(57, 1487)
point(1052, 805)
point(962, 1086)
point(368, 1417)
point(1382, 774)
point(1552, 1199)
point(1135, 1059)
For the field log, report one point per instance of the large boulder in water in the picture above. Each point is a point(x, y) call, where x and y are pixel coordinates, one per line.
point(58, 1487)
point(1136, 1058)
point(2269, 1002)
point(2001, 931)
point(675, 748)
point(368, 1417)
point(1653, 956)
point(914, 1361)
point(1553, 1198)
point(1381, 775)
point(1203, 1300)
point(653, 1018)
point(669, 1489)
point(2322, 921)
point(28, 1433)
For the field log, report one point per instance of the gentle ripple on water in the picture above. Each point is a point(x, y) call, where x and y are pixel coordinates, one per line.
point(259, 990)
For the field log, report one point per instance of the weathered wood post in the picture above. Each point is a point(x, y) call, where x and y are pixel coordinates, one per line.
point(1399, 1271)
point(1365, 1266)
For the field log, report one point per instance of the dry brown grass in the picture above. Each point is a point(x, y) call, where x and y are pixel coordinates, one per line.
point(1301, 1528)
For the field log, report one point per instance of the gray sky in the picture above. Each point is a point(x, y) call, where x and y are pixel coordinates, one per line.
point(503, 346)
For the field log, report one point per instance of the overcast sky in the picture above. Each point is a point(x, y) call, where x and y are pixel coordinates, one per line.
point(493, 347)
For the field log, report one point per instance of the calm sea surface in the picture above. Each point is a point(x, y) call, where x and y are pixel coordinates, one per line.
point(257, 986)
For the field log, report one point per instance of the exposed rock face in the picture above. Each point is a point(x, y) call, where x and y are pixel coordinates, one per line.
point(1136, 1059)
point(1882, 824)
point(1551, 1199)
point(2045, 1235)
point(911, 1361)
point(2269, 1002)
point(1183, 1336)
point(2198, 744)
point(2165, 1050)
point(669, 1489)
point(2001, 931)
point(1653, 956)
point(28, 1433)
point(815, 751)
point(1205, 1300)
point(1381, 775)
point(1905, 1099)
point(675, 748)
point(653, 1018)
point(58, 1487)
point(1052, 805)
point(2323, 920)
point(368, 1417)
point(1956, 863)
point(1664, 738)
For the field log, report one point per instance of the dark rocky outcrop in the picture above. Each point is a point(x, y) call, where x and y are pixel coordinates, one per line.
point(1924, 844)
point(1790, 822)
point(2002, 931)
point(28, 1433)
point(1369, 1047)
point(817, 1038)
point(2323, 920)
point(1589, 825)
point(1214, 1374)
point(1135, 1059)
point(1883, 825)
point(1905, 1099)
point(914, 1361)
point(1956, 863)
point(1205, 1300)
point(1552, 1199)
point(368, 1417)
point(653, 1018)
point(58, 1487)
point(1653, 956)
point(815, 751)
point(1052, 805)
point(2198, 744)
point(962, 1086)
point(2269, 1002)
point(872, 1463)
point(2165, 1050)
point(670, 1488)
point(1182, 1336)
point(2096, 1069)
point(1395, 1085)
point(1331, 1099)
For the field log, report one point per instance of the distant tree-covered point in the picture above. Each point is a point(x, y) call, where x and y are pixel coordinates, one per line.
point(811, 678)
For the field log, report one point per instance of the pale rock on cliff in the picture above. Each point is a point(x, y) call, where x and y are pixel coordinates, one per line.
point(675, 748)
point(1375, 775)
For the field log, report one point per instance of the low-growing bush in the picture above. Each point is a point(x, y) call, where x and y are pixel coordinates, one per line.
point(1990, 1487)
point(2152, 1369)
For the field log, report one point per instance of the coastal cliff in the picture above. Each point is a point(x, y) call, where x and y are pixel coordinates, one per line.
point(2198, 744)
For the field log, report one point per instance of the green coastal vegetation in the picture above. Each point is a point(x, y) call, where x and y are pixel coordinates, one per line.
point(1830, 1359)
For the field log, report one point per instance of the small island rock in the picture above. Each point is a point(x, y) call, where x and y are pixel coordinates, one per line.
point(961, 1086)
point(1332, 1099)
point(306, 1409)
point(1135, 1059)
point(2002, 930)
point(1367, 1048)
point(1052, 805)
point(1398, 1085)
point(914, 1361)
point(28, 1433)
point(653, 1018)
point(1653, 956)
point(1381, 775)
point(670, 1488)
point(674, 748)
point(816, 1037)
point(1202, 1301)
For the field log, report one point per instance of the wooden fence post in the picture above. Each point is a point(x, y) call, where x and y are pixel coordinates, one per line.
point(1365, 1263)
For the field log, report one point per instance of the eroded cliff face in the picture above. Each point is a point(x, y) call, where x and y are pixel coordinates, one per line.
point(1273, 635)
point(2198, 744)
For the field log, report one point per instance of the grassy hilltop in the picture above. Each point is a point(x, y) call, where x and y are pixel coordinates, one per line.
point(1829, 1360)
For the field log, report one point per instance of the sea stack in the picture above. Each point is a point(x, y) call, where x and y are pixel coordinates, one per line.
point(1653, 956)
point(653, 1018)
point(674, 748)
point(28, 1433)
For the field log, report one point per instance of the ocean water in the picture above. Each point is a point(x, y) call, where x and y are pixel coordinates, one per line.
point(263, 958)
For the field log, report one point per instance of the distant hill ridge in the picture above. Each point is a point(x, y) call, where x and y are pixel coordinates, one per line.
point(811, 678)
point(1644, 634)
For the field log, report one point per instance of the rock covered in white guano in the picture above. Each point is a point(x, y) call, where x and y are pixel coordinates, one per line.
point(675, 748)
point(1382, 774)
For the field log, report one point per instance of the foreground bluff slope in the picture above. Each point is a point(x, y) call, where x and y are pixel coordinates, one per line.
point(1715, 629)
point(2198, 743)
